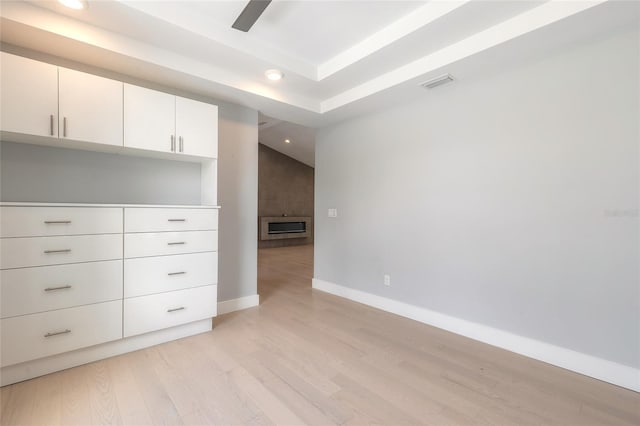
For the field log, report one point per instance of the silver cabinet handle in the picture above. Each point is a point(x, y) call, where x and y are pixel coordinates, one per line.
point(57, 251)
point(51, 124)
point(181, 144)
point(177, 243)
point(173, 143)
point(56, 333)
point(64, 287)
point(64, 127)
point(177, 220)
point(55, 222)
point(176, 273)
point(181, 308)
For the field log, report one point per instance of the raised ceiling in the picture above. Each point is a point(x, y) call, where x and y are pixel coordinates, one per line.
point(301, 146)
point(340, 58)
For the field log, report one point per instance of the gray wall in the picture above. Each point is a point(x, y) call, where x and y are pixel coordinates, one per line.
point(48, 174)
point(285, 186)
point(238, 196)
point(511, 200)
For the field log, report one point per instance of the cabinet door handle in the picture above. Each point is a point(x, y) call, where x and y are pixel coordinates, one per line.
point(64, 287)
point(177, 220)
point(64, 127)
point(56, 222)
point(56, 333)
point(181, 308)
point(51, 124)
point(57, 251)
point(181, 144)
point(176, 273)
point(177, 243)
point(173, 143)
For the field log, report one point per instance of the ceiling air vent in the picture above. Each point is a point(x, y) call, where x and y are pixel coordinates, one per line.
point(438, 81)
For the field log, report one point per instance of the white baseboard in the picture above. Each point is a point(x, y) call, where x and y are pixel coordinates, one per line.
point(598, 368)
point(238, 304)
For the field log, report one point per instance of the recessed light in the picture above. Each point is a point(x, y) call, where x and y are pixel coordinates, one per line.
point(287, 141)
point(74, 4)
point(274, 75)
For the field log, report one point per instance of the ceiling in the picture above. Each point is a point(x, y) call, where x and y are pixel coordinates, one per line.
point(301, 146)
point(340, 58)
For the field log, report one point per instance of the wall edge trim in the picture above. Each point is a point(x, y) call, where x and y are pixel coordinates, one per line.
point(238, 304)
point(578, 362)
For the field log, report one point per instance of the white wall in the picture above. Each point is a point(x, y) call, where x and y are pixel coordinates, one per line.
point(510, 201)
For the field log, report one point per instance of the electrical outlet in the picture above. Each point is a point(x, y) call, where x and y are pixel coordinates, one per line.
point(387, 280)
point(333, 213)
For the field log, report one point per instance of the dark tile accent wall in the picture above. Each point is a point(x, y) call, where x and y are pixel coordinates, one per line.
point(285, 186)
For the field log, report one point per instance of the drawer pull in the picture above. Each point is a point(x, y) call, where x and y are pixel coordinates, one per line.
point(64, 287)
point(181, 308)
point(57, 222)
point(56, 333)
point(177, 220)
point(177, 243)
point(57, 251)
point(176, 273)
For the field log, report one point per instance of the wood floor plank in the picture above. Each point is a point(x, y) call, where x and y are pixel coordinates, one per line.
point(129, 398)
point(307, 357)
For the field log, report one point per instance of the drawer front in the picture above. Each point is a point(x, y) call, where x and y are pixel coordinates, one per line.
point(158, 311)
point(42, 251)
point(31, 290)
point(167, 219)
point(50, 221)
point(164, 243)
point(23, 338)
point(151, 275)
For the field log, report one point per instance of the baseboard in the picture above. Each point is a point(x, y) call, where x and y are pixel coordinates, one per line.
point(39, 367)
point(238, 304)
point(598, 368)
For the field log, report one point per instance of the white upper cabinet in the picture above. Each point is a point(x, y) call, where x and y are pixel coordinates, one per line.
point(196, 128)
point(90, 108)
point(51, 105)
point(158, 121)
point(29, 96)
point(149, 119)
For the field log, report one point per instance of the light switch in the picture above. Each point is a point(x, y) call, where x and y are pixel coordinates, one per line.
point(333, 213)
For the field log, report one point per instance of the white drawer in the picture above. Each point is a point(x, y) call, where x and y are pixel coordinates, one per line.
point(31, 290)
point(163, 243)
point(35, 336)
point(151, 275)
point(158, 311)
point(42, 251)
point(49, 221)
point(169, 219)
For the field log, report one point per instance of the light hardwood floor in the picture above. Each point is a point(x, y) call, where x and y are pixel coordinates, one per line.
point(305, 357)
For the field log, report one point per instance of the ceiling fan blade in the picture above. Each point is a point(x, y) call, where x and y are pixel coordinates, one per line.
point(250, 14)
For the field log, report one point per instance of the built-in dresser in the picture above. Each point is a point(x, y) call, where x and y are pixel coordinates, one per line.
point(75, 277)
point(82, 282)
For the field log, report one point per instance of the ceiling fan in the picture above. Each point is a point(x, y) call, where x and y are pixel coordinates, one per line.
point(250, 14)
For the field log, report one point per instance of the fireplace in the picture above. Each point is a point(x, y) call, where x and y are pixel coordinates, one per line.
point(287, 227)
point(281, 227)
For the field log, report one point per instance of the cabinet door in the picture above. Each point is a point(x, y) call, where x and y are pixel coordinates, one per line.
point(29, 96)
point(149, 119)
point(90, 108)
point(197, 128)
